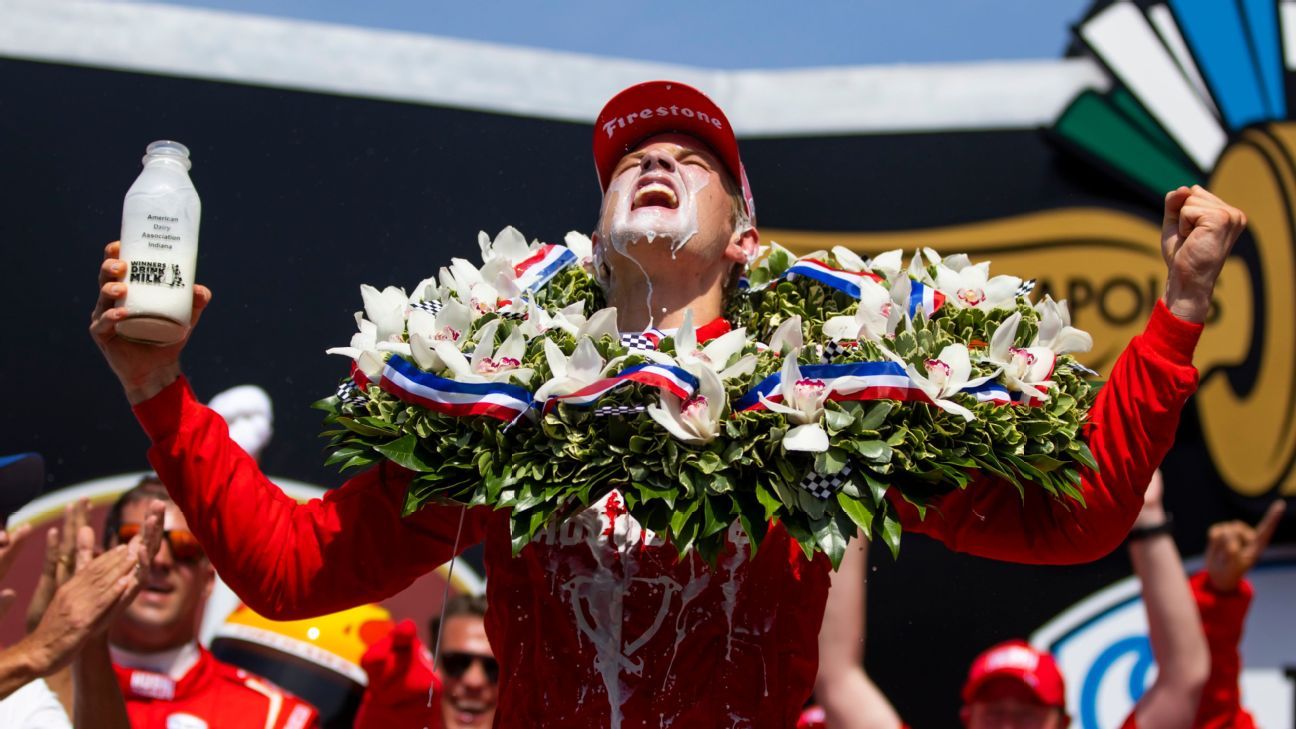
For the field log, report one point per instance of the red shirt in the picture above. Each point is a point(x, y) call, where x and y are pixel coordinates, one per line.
point(211, 695)
point(1223, 615)
point(643, 639)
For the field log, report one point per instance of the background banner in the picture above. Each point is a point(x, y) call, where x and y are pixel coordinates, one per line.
point(329, 157)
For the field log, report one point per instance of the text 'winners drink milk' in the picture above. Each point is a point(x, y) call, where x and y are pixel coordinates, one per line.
point(159, 245)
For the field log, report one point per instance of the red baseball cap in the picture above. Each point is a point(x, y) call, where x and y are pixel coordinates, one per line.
point(1016, 659)
point(659, 107)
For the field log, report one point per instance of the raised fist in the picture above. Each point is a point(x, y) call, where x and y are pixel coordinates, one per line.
point(1197, 233)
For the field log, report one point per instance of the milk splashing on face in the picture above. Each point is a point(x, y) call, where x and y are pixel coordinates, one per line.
point(627, 226)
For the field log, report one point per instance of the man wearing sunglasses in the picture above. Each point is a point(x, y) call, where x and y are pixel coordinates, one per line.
point(167, 678)
point(464, 683)
point(466, 665)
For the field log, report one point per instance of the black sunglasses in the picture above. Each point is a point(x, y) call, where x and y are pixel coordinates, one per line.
point(455, 665)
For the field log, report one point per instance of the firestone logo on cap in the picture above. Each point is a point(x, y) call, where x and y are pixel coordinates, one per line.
point(624, 122)
point(1013, 656)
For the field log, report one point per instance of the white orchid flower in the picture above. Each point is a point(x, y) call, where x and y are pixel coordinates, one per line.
point(803, 404)
point(364, 349)
point(923, 259)
point(1055, 330)
point(581, 245)
point(429, 289)
point(876, 316)
point(448, 325)
point(1025, 369)
point(584, 367)
point(972, 288)
point(603, 323)
point(484, 290)
point(696, 420)
point(386, 309)
point(888, 264)
point(848, 260)
point(538, 320)
point(488, 364)
point(788, 336)
point(945, 376)
point(716, 354)
point(509, 246)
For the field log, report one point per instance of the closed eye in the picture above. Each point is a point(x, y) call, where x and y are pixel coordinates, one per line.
point(695, 159)
point(631, 160)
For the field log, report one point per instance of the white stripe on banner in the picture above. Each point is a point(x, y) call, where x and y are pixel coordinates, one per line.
point(426, 69)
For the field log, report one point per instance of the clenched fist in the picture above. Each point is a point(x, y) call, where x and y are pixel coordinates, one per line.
point(1197, 233)
point(1235, 547)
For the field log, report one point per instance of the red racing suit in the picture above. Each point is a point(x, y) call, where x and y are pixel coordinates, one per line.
point(642, 638)
point(1223, 615)
point(211, 695)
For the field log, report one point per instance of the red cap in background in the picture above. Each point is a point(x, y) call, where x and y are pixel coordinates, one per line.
point(1016, 659)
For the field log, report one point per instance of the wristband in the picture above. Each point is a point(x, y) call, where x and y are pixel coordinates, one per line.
point(1145, 532)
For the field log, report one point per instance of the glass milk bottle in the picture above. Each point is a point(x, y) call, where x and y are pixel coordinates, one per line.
point(159, 246)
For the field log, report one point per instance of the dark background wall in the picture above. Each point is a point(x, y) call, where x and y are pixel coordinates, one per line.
point(306, 196)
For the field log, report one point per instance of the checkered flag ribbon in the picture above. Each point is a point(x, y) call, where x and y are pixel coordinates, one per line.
point(831, 351)
point(823, 486)
point(606, 410)
point(1026, 287)
point(349, 394)
point(514, 315)
point(1081, 368)
point(637, 340)
point(432, 307)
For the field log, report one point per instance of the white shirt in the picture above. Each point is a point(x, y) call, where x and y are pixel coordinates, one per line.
point(33, 706)
point(174, 663)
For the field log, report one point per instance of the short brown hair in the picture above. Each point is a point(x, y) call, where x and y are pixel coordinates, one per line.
point(149, 488)
point(471, 605)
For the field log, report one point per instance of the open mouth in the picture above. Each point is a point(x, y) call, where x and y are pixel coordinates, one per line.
point(655, 193)
point(469, 712)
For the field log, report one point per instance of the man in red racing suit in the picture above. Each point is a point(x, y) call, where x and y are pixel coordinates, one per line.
point(642, 638)
point(211, 694)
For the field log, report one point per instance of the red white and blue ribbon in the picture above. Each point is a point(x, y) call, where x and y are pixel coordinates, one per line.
point(1022, 398)
point(449, 397)
point(848, 282)
point(542, 266)
point(990, 392)
point(677, 381)
point(922, 296)
point(876, 381)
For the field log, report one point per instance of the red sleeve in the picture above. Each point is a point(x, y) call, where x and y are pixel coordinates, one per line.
point(284, 559)
point(1223, 615)
point(1130, 428)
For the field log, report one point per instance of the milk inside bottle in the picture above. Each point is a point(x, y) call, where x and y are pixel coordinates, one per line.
point(159, 246)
